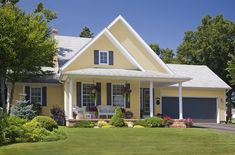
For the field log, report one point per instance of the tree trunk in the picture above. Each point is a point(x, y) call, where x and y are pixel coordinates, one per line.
point(3, 94)
point(229, 106)
point(11, 96)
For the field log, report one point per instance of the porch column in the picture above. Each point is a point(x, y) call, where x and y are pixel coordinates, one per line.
point(70, 99)
point(180, 101)
point(65, 99)
point(151, 98)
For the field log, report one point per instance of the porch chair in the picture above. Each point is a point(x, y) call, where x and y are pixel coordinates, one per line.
point(106, 111)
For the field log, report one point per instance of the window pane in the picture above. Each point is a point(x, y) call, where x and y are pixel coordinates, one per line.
point(118, 98)
point(104, 57)
point(87, 97)
point(35, 95)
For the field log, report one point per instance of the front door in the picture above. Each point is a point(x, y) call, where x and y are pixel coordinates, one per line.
point(145, 102)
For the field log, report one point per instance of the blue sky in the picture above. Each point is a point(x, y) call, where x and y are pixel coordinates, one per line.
point(157, 21)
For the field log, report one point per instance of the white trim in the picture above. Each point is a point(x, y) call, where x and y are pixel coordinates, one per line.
point(141, 41)
point(180, 101)
point(218, 110)
point(82, 50)
point(123, 50)
point(113, 40)
point(151, 98)
point(103, 51)
point(65, 99)
point(225, 107)
point(31, 93)
point(70, 99)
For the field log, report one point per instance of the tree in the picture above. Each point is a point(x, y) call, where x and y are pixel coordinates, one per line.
point(86, 33)
point(25, 44)
point(212, 44)
point(231, 70)
point(6, 2)
point(167, 55)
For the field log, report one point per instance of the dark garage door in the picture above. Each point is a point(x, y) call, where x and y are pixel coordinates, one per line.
point(199, 109)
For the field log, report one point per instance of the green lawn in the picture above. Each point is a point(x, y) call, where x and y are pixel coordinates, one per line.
point(130, 141)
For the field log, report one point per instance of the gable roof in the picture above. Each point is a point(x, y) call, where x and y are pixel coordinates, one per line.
point(113, 40)
point(201, 76)
point(68, 46)
point(139, 38)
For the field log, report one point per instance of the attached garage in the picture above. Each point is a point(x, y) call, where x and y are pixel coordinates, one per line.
point(199, 109)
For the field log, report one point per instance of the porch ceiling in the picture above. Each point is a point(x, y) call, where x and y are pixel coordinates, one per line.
point(123, 74)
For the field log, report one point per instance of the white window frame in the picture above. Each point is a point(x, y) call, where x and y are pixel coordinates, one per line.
point(107, 52)
point(124, 98)
point(31, 94)
point(83, 93)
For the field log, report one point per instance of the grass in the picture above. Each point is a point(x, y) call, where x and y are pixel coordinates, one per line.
point(129, 142)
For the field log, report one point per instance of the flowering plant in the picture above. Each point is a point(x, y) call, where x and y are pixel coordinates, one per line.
point(167, 121)
point(126, 91)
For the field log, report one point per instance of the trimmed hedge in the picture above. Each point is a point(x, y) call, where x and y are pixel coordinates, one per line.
point(46, 122)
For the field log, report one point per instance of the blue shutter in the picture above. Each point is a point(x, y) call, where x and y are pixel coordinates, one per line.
point(44, 96)
point(98, 102)
point(96, 56)
point(79, 94)
point(27, 92)
point(109, 94)
point(110, 57)
point(128, 104)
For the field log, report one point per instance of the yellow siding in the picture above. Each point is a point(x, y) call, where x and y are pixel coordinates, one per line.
point(189, 92)
point(86, 59)
point(134, 98)
point(136, 49)
point(55, 97)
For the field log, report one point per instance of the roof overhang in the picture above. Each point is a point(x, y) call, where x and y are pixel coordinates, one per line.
point(122, 74)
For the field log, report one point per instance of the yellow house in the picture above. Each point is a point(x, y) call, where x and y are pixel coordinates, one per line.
point(118, 68)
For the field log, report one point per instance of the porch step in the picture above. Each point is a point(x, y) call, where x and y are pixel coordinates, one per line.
point(178, 124)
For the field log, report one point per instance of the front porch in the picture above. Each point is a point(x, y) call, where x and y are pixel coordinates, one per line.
point(137, 95)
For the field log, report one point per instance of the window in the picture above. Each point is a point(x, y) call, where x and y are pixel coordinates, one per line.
point(87, 98)
point(36, 95)
point(103, 57)
point(118, 97)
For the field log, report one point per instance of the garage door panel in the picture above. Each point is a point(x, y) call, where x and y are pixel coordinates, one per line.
point(199, 109)
point(170, 106)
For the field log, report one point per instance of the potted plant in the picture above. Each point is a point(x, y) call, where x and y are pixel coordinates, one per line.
point(126, 91)
point(94, 92)
point(128, 114)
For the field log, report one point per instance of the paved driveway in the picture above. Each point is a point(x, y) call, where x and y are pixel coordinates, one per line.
point(220, 127)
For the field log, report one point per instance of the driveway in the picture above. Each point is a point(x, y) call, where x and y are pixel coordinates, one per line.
point(230, 128)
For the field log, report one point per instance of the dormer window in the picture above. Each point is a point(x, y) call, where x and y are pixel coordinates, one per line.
point(104, 57)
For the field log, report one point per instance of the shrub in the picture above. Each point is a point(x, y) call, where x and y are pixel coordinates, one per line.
point(35, 132)
point(58, 115)
point(167, 121)
point(117, 119)
point(14, 131)
point(138, 126)
point(84, 124)
point(24, 109)
point(14, 120)
point(107, 126)
point(46, 122)
point(141, 123)
point(102, 123)
point(154, 122)
point(129, 124)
